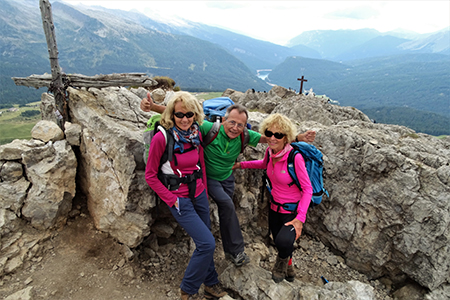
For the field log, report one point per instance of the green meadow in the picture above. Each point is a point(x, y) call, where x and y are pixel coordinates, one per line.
point(18, 124)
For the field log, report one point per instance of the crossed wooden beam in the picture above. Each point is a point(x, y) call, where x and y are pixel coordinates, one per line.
point(57, 82)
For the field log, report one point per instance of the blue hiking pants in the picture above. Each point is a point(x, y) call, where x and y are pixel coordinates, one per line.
point(194, 218)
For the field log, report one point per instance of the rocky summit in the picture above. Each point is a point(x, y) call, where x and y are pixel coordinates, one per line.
point(387, 214)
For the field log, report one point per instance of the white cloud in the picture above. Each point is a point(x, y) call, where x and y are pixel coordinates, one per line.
point(280, 21)
point(357, 13)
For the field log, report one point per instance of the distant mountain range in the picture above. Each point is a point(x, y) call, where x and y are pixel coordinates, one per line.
point(361, 68)
point(419, 81)
point(344, 45)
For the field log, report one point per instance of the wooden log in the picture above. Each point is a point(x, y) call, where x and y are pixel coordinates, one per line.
point(56, 86)
point(97, 81)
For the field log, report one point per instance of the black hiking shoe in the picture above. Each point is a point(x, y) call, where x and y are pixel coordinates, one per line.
point(239, 259)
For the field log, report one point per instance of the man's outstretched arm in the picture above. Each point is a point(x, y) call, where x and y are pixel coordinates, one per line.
point(148, 105)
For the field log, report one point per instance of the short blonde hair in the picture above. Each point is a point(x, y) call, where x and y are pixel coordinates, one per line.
point(283, 123)
point(190, 103)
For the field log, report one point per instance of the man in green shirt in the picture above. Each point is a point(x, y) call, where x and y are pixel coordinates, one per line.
point(220, 156)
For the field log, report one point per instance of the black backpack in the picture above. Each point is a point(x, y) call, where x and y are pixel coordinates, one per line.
point(172, 181)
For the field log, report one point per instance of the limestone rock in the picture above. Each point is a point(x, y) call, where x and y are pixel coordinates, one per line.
point(47, 131)
point(111, 165)
point(253, 282)
point(14, 150)
point(389, 203)
point(73, 133)
point(51, 169)
point(158, 95)
point(25, 294)
point(13, 194)
point(11, 171)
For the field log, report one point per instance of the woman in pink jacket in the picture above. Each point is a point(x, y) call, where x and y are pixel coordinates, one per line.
point(181, 183)
point(288, 204)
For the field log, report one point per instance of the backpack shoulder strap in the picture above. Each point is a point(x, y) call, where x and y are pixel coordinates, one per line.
point(245, 139)
point(170, 143)
point(212, 133)
point(291, 167)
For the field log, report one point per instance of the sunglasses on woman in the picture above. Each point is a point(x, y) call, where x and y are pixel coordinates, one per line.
point(181, 115)
point(278, 135)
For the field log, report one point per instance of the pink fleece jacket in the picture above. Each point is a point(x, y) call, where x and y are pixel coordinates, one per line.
point(187, 164)
point(280, 179)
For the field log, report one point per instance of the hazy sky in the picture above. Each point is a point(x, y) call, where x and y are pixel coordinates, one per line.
point(280, 21)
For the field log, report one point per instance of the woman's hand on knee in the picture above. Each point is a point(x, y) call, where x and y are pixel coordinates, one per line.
point(298, 225)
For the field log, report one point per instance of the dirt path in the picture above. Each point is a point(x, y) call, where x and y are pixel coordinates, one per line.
point(80, 262)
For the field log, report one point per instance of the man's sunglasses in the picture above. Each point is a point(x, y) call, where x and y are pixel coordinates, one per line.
point(180, 115)
point(278, 135)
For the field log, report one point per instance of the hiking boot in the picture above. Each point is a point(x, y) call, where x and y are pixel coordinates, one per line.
point(215, 291)
point(280, 269)
point(290, 273)
point(238, 259)
point(186, 296)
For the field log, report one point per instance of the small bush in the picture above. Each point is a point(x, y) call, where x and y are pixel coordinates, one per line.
point(164, 82)
point(412, 135)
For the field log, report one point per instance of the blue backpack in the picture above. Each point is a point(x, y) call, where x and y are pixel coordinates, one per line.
point(216, 108)
point(314, 166)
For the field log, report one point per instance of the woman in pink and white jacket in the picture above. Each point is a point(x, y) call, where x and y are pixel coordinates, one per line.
point(289, 204)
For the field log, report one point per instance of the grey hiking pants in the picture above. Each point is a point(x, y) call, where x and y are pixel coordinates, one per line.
point(230, 230)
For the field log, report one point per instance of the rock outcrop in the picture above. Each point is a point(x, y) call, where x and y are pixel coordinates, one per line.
point(389, 206)
point(388, 213)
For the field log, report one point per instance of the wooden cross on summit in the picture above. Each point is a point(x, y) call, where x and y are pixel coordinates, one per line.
point(301, 84)
point(58, 82)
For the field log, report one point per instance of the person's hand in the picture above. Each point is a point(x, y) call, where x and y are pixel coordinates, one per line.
point(236, 166)
point(147, 103)
point(298, 225)
point(308, 136)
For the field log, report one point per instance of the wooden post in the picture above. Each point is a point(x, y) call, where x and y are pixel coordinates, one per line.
point(301, 84)
point(56, 87)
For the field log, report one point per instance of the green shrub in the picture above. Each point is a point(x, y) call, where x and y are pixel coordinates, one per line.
point(164, 82)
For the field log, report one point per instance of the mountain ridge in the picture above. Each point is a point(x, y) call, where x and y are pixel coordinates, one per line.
point(204, 58)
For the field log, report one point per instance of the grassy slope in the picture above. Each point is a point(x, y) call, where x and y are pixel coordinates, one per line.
point(14, 126)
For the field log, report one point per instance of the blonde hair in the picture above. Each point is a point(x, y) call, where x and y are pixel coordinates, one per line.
point(190, 103)
point(282, 123)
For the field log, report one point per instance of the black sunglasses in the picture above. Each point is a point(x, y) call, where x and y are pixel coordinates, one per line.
point(278, 135)
point(180, 115)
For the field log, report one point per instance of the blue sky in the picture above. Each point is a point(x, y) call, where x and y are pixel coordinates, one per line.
point(280, 21)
